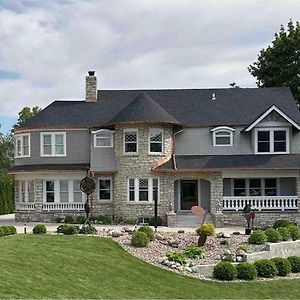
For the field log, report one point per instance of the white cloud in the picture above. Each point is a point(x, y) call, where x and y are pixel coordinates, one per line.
point(131, 44)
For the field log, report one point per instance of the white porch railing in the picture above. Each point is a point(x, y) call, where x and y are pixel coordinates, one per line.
point(62, 206)
point(21, 206)
point(261, 203)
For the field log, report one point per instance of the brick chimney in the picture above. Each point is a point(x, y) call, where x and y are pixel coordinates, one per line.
point(91, 87)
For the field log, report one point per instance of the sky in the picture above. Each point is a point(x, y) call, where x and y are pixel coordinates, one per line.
point(47, 47)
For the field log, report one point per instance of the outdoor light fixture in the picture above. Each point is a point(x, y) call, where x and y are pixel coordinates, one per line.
point(25, 229)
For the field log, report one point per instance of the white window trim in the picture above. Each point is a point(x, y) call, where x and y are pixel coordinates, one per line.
point(21, 138)
point(26, 191)
point(95, 133)
point(137, 141)
point(281, 113)
point(111, 190)
point(226, 129)
point(152, 130)
point(271, 130)
point(150, 190)
point(53, 144)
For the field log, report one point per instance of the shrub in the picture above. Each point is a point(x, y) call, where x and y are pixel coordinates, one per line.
point(80, 220)
point(257, 237)
point(67, 229)
point(1, 232)
point(282, 223)
point(224, 271)
point(207, 229)
point(61, 228)
point(194, 252)
point(69, 219)
point(176, 257)
point(7, 230)
point(295, 263)
point(59, 219)
point(152, 221)
point(149, 231)
point(273, 235)
point(105, 220)
point(88, 230)
point(39, 229)
point(285, 233)
point(283, 266)
point(294, 232)
point(246, 271)
point(12, 229)
point(265, 268)
point(139, 239)
point(242, 248)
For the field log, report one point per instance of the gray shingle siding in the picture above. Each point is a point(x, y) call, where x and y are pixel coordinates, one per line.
point(103, 159)
point(77, 146)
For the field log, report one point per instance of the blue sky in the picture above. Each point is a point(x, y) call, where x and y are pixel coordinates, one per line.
point(47, 47)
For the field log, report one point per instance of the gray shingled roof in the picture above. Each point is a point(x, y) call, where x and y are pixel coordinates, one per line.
point(143, 109)
point(223, 162)
point(190, 107)
point(50, 167)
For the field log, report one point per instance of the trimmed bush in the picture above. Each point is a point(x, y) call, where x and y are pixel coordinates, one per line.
point(257, 237)
point(69, 219)
point(246, 271)
point(282, 223)
point(7, 230)
point(176, 257)
point(87, 230)
point(80, 220)
point(39, 229)
point(1, 232)
point(294, 232)
point(295, 263)
point(149, 231)
point(285, 233)
point(265, 268)
point(207, 229)
point(61, 228)
point(273, 235)
point(224, 271)
point(283, 266)
point(67, 229)
point(139, 239)
point(152, 221)
point(194, 252)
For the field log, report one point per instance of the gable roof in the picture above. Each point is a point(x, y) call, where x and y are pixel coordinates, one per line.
point(267, 112)
point(142, 109)
point(190, 107)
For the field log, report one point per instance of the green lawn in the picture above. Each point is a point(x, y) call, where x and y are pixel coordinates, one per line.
point(90, 267)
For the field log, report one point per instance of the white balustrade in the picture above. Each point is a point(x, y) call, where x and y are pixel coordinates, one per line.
point(261, 203)
point(21, 206)
point(62, 206)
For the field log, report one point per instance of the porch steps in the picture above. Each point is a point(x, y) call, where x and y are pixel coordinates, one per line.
point(187, 219)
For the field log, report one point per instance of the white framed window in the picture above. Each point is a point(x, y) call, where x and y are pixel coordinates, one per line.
point(222, 136)
point(141, 190)
point(26, 191)
point(53, 143)
point(50, 192)
point(77, 193)
point(271, 140)
point(22, 145)
point(64, 190)
point(105, 189)
point(155, 138)
point(103, 138)
point(130, 141)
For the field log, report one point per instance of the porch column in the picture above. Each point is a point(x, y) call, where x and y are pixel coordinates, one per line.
point(216, 199)
point(168, 198)
point(38, 196)
point(298, 191)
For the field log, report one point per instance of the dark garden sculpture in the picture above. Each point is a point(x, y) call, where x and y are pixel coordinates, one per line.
point(249, 216)
point(88, 186)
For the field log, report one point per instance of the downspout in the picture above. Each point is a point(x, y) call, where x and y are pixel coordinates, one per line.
point(174, 148)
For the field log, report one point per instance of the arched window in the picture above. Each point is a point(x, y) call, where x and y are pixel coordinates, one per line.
point(222, 136)
point(103, 138)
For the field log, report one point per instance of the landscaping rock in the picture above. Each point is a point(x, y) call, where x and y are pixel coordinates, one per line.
point(164, 242)
point(116, 233)
point(160, 237)
point(180, 231)
point(220, 235)
point(173, 243)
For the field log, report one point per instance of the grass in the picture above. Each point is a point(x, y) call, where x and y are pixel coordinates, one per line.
point(91, 267)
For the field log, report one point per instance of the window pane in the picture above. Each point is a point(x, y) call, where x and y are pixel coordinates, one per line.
point(263, 147)
point(25, 140)
point(50, 191)
point(104, 184)
point(263, 136)
point(59, 149)
point(25, 150)
point(279, 141)
point(19, 150)
point(255, 187)
point(104, 195)
point(59, 139)
point(222, 140)
point(143, 189)
point(30, 186)
point(77, 192)
point(270, 187)
point(130, 147)
point(104, 189)
point(239, 187)
point(279, 135)
point(47, 150)
point(47, 139)
point(279, 146)
point(130, 136)
point(103, 142)
point(156, 136)
point(50, 186)
point(131, 190)
point(226, 133)
point(155, 147)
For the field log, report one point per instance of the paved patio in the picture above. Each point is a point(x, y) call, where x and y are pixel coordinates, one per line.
point(51, 227)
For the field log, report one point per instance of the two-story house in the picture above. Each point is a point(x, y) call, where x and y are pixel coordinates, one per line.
point(216, 148)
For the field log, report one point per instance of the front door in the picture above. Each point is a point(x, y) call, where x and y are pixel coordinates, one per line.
point(189, 194)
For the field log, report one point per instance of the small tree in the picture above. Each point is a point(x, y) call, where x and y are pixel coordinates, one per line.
point(27, 113)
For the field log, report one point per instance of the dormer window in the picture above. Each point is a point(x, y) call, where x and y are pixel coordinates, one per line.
point(271, 140)
point(222, 136)
point(103, 138)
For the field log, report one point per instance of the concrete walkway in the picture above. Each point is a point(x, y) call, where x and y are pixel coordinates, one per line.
point(51, 227)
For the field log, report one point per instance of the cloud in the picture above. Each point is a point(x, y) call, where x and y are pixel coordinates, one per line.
point(131, 44)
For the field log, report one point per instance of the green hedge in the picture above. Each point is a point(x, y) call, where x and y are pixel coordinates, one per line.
point(7, 230)
point(6, 195)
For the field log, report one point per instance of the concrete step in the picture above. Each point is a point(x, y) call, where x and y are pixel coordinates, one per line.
point(189, 220)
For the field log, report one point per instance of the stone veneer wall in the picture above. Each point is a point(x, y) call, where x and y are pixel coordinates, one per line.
point(139, 166)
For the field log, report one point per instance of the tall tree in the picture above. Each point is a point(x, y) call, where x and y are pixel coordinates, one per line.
point(6, 152)
point(27, 113)
point(279, 63)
